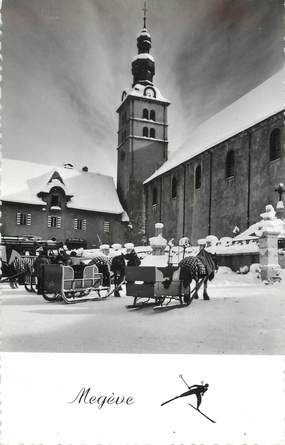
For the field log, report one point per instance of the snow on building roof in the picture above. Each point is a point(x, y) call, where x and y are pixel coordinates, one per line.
point(260, 103)
point(138, 90)
point(143, 56)
point(22, 181)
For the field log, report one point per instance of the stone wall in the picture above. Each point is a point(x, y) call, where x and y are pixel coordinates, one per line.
point(220, 203)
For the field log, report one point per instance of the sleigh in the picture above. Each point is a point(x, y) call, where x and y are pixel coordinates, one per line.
point(145, 284)
point(64, 283)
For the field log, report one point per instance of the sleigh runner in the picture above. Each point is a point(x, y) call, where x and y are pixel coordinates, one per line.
point(146, 285)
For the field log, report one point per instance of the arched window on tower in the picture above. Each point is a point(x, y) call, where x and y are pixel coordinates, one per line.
point(154, 196)
point(173, 187)
point(230, 164)
point(152, 133)
point(145, 132)
point(198, 177)
point(275, 144)
point(145, 113)
point(152, 115)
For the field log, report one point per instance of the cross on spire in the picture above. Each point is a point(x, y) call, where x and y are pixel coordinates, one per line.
point(144, 11)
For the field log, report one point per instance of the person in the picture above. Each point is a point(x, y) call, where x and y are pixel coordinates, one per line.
point(197, 390)
point(40, 261)
point(118, 267)
point(131, 255)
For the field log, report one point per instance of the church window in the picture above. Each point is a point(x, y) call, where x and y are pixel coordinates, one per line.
point(173, 187)
point(275, 145)
point(124, 135)
point(230, 164)
point(145, 113)
point(123, 155)
point(24, 219)
point(152, 133)
point(152, 115)
point(198, 176)
point(145, 132)
point(154, 196)
point(124, 117)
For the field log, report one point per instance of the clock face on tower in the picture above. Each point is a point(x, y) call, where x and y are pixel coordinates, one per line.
point(149, 92)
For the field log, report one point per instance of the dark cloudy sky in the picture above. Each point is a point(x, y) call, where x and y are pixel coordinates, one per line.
point(66, 63)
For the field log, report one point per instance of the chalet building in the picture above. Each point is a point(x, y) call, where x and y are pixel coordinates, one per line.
point(61, 203)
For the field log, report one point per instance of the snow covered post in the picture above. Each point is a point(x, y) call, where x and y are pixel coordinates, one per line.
point(157, 242)
point(268, 246)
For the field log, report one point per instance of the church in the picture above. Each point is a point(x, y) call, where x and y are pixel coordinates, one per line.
point(220, 179)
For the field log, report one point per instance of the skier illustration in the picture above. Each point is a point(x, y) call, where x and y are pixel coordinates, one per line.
point(198, 391)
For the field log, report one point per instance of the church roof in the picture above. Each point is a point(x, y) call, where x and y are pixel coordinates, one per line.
point(22, 181)
point(260, 103)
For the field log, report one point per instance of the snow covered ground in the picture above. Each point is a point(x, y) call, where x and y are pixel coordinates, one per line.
point(243, 316)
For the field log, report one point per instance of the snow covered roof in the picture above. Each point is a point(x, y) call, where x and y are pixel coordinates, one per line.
point(260, 103)
point(140, 90)
point(144, 32)
point(22, 181)
point(143, 56)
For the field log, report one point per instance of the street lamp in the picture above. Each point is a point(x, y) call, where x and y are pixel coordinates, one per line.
point(280, 190)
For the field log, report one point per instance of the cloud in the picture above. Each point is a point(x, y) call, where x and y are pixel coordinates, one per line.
point(66, 63)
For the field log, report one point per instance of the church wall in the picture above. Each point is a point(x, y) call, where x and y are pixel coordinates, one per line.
point(228, 199)
point(140, 104)
point(39, 225)
point(265, 174)
point(229, 195)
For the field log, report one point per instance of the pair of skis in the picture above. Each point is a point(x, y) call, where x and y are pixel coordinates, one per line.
point(185, 394)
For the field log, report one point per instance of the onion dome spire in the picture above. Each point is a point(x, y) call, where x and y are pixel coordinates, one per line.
point(143, 64)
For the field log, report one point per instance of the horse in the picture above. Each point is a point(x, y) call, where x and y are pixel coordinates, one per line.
point(103, 265)
point(199, 268)
point(12, 273)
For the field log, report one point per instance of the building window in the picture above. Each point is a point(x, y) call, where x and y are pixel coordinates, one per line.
point(79, 224)
point(230, 164)
point(154, 196)
point(122, 155)
point(124, 117)
point(275, 145)
point(152, 115)
point(54, 222)
point(145, 113)
point(198, 177)
point(124, 135)
point(145, 132)
point(106, 226)
point(173, 187)
point(152, 133)
point(24, 219)
point(54, 202)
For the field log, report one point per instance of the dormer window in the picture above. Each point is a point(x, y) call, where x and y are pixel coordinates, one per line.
point(55, 202)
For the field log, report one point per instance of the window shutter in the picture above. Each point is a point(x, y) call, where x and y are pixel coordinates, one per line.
point(106, 226)
point(75, 223)
point(29, 219)
point(58, 222)
point(84, 224)
point(18, 221)
point(49, 221)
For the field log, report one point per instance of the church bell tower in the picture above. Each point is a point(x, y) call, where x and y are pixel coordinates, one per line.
point(142, 134)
